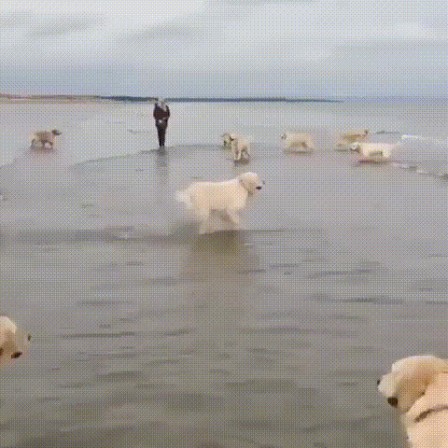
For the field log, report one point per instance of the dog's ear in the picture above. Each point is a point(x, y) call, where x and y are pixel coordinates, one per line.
point(245, 182)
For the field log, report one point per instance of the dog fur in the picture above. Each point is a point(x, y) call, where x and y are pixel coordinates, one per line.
point(346, 138)
point(373, 152)
point(240, 147)
point(228, 197)
point(42, 138)
point(13, 341)
point(298, 141)
point(417, 387)
point(227, 139)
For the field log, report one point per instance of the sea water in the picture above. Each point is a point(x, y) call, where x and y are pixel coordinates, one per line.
point(146, 334)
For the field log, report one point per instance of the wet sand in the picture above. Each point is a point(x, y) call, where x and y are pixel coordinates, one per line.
point(146, 334)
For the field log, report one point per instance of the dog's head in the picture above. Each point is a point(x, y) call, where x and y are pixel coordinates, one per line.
point(409, 378)
point(355, 147)
point(226, 138)
point(251, 182)
point(13, 341)
point(56, 132)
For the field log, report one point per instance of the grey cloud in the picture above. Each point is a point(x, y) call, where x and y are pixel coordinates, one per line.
point(60, 25)
point(240, 47)
point(36, 25)
point(259, 2)
point(12, 20)
point(168, 31)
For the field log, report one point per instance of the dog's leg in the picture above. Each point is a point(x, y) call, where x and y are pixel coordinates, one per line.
point(204, 221)
point(233, 216)
point(237, 155)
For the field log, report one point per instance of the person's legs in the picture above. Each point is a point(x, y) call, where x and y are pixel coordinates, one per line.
point(161, 130)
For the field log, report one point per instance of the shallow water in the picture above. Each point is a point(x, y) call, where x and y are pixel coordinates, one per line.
point(147, 334)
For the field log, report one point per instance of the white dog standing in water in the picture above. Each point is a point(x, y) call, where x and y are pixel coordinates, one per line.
point(13, 341)
point(417, 387)
point(349, 137)
point(228, 197)
point(374, 152)
point(297, 142)
point(42, 138)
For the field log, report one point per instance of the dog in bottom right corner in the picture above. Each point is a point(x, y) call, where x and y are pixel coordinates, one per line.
point(417, 387)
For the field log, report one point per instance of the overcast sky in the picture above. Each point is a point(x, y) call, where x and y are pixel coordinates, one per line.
point(313, 48)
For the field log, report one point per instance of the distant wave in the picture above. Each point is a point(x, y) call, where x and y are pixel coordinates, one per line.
point(422, 138)
point(419, 169)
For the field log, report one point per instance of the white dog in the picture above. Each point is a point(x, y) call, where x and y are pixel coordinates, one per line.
point(349, 137)
point(13, 342)
point(373, 152)
point(298, 142)
point(228, 196)
point(42, 138)
point(418, 388)
point(240, 147)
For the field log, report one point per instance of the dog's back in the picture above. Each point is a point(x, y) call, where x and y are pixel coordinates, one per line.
point(213, 195)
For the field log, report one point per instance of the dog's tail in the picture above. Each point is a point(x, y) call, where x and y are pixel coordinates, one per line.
point(184, 196)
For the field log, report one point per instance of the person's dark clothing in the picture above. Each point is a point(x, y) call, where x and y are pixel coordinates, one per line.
point(161, 116)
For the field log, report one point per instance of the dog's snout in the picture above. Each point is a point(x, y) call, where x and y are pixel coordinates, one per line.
point(393, 401)
point(378, 381)
point(258, 187)
point(16, 355)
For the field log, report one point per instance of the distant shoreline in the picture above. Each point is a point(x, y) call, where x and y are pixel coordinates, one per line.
point(11, 98)
point(125, 98)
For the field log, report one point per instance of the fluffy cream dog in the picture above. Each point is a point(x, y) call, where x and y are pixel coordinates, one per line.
point(297, 141)
point(240, 147)
point(13, 341)
point(418, 388)
point(228, 196)
point(373, 152)
point(42, 138)
point(349, 137)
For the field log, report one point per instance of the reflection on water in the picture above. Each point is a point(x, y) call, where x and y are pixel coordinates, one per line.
point(220, 294)
point(218, 298)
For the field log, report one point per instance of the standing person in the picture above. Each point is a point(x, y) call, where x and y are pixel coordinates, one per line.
point(161, 115)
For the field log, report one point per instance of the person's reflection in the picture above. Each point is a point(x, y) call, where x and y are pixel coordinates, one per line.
point(161, 158)
point(218, 298)
point(161, 185)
